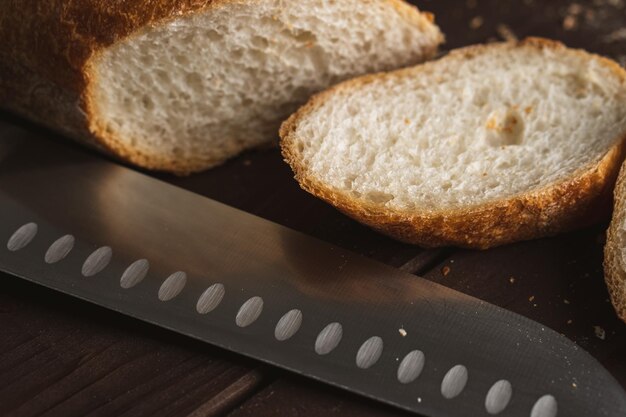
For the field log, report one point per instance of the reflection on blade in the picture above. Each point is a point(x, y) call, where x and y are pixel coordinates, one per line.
point(203, 269)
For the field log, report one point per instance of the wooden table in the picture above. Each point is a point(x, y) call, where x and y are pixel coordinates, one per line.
point(63, 357)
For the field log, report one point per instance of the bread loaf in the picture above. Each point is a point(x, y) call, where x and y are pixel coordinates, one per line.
point(182, 85)
point(615, 249)
point(489, 145)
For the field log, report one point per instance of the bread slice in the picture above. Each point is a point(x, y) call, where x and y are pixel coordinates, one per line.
point(615, 249)
point(181, 85)
point(488, 145)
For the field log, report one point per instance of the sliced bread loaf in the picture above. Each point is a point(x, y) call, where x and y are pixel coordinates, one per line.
point(488, 145)
point(615, 249)
point(181, 85)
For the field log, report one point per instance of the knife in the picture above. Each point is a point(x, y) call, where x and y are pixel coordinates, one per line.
point(82, 225)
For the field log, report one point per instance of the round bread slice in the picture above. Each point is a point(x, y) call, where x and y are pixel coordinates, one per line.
point(615, 249)
point(489, 145)
point(182, 85)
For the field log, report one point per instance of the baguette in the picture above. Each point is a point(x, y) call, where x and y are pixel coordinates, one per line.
point(615, 249)
point(489, 145)
point(182, 85)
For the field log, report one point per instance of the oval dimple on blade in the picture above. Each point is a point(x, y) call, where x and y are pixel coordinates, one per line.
point(454, 382)
point(498, 397)
point(22, 237)
point(249, 312)
point(411, 366)
point(210, 298)
point(328, 339)
point(97, 261)
point(172, 286)
point(369, 352)
point(59, 249)
point(288, 325)
point(135, 273)
point(545, 406)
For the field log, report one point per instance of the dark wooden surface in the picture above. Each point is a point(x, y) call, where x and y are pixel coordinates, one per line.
point(63, 357)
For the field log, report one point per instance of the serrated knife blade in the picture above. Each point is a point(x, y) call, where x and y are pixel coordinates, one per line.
point(79, 224)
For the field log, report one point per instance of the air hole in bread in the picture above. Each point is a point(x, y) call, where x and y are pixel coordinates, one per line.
point(504, 127)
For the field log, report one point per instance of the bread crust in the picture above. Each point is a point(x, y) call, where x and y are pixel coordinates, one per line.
point(576, 201)
point(614, 265)
point(47, 63)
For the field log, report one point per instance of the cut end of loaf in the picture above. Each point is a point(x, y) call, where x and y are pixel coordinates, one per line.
point(189, 93)
point(489, 145)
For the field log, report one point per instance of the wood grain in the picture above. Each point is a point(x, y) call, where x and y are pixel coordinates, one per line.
point(297, 397)
point(60, 357)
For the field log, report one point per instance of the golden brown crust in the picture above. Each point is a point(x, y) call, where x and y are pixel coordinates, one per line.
point(579, 200)
point(57, 37)
point(48, 49)
point(614, 265)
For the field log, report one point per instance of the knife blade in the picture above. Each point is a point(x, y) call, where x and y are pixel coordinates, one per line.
point(82, 225)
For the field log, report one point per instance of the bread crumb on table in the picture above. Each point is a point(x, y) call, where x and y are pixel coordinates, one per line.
point(506, 33)
point(402, 332)
point(570, 22)
point(594, 13)
point(531, 298)
point(600, 333)
point(512, 280)
point(575, 9)
point(619, 4)
point(445, 270)
point(616, 36)
point(476, 22)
